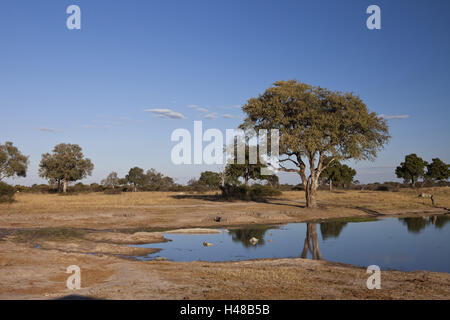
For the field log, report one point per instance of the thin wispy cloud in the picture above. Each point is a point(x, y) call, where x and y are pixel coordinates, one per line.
point(165, 113)
point(47, 129)
point(198, 108)
point(389, 117)
point(230, 116)
point(212, 116)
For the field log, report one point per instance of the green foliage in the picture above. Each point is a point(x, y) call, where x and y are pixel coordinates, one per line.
point(256, 192)
point(95, 187)
point(111, 181)
point(211, 180)
point(156, 181)
point(136, 177)
point(273, 180)
point(260, 192)
point(438, 170)
point(7, 192)
point(246, 170)
point(338, 174)
point(151, 180)
point(65, 164)
point(411, 169)
point(234, 192)
point(315, 123)
point(12, 162)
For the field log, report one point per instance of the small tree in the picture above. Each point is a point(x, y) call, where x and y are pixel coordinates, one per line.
point(314, 124)
point(157, 181)
point(339, 174)
point(12, 161)
point(412, 169)
point(273, 180)
point(136, 177)
point(244, 170)
point(438, 170)
point(66, 164)
point(112, 180)
point(212, 180)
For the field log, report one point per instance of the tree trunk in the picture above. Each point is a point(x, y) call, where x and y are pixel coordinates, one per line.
point(64, 184)
point(331, 185)
point(310, 193)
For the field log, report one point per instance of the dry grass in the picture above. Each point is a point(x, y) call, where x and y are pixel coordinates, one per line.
point(99, 202)
point(96, 201)
point(380, 200)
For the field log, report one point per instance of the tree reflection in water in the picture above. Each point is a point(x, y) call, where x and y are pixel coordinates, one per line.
point(415, 225)
point(331, 229)
point(244, 235)
point(311, 244)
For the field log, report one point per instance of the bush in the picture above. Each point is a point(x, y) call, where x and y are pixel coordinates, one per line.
point(113, 191)
point(256, 192)
point(235, 192)
point(41, 188)
point(260, 192)
point(7, 192)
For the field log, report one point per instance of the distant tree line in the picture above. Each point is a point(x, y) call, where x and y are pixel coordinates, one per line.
point(67, 164)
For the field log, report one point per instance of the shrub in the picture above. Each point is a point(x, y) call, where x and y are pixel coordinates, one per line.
point(41, 188)
point(6, 192)
point(256, 192)
point(234, 192)
point(260, 192)
point(113, 191)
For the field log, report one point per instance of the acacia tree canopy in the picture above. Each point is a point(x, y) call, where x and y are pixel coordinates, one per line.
point(315, 123)
point(210, 179)
point(411, 169)
point(12, 161)
point(136, 177)
point(338, 174)
point(112, 180)
point(65, 164)
point(438, 170)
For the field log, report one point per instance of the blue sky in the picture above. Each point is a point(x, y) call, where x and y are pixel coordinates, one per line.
point(92, 86)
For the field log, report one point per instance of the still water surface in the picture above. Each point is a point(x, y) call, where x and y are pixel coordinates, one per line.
point(421, 243)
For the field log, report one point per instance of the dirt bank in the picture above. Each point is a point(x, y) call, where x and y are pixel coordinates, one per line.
point(30, 273)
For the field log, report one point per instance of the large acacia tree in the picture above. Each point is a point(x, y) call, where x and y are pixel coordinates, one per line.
point(67, 163)
point(315, 124)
